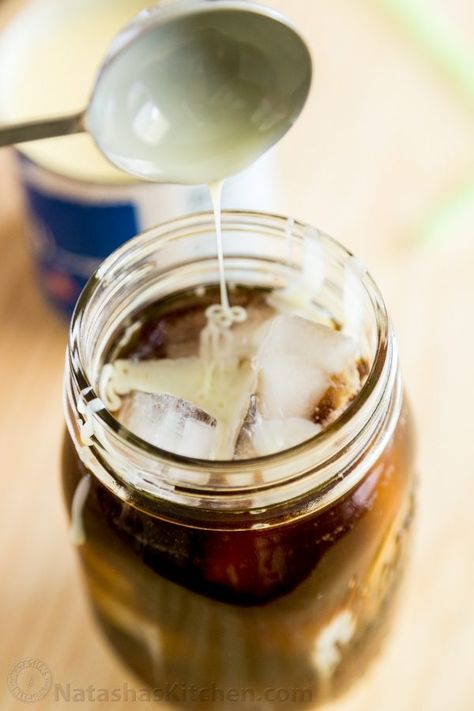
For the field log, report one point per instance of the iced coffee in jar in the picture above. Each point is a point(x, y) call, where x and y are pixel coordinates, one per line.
point(240, 491)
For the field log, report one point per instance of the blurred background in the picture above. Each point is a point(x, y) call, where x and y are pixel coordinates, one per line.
point(383, 160)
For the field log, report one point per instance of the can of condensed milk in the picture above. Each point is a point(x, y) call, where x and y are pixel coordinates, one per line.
point(80, 207)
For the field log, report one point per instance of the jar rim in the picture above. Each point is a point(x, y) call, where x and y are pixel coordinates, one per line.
point(383, 368)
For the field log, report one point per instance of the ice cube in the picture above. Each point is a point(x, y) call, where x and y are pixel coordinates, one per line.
point(260, 437)
point(297, 362)
point(271, 436)
point(297, 299)
point(244, 447)
point(248, 335)
point(221, 392)
point(170, 423)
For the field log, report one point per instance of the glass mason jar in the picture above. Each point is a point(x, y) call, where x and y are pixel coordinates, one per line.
point(259, 584)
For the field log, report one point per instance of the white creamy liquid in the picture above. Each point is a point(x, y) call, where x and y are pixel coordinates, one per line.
point(216, 196)
point(217, 338)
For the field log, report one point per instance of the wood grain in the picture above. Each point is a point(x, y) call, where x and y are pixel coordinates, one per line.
point(380, 155)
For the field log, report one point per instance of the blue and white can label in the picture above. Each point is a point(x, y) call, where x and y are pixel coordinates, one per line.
point(73, 225)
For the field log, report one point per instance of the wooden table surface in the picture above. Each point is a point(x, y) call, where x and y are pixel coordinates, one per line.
point(383, 159)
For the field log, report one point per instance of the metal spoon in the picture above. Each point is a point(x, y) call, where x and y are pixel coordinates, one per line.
point(191, 92)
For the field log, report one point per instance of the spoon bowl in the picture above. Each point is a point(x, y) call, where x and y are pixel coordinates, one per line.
point(192, 92)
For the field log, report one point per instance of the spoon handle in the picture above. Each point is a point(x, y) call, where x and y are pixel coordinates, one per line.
point(35, 130)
